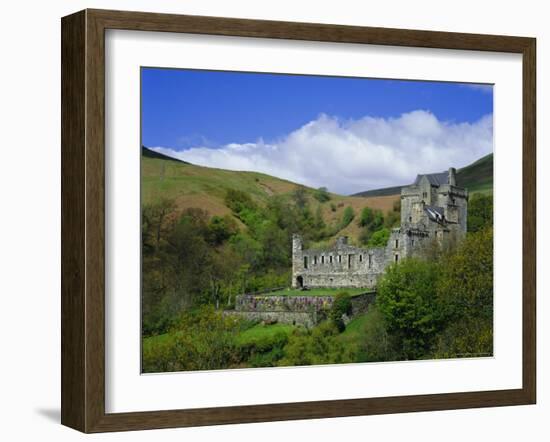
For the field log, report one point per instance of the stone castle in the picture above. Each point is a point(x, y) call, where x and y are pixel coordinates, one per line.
point(433, 208)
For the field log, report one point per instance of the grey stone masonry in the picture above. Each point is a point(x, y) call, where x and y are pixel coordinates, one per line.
point(296, 310)
point(433, 208)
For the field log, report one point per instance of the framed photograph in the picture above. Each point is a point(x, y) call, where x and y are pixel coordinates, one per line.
point(267, 220)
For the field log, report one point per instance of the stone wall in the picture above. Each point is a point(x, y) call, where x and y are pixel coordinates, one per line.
point(272, 303)
point(294, 318)
point(433, 210)
point(297, 310)
point(341, 266)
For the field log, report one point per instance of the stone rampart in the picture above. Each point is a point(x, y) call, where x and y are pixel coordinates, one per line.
point(297, 310)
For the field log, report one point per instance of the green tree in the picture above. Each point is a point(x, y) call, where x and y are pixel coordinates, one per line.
point(407, 300)
point(220, 229)
point(347, 217)
point(316, 346)
point(379, 238)
point(465, 289)
point(154, 223)
point(300, 197)
point(377, 344)
point(340, 307)
point(480, 212)
point(201, 340)
point(321, 195)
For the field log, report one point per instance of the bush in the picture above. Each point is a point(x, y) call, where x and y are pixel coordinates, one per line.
point(220, 229)
point(379, 238)
point(340, 307)
point(347, 217)
point(321, 195)
point(377, 344)
point(317, 346)
point(465, 289)
point(407, 300)
point(203, 339)
point(480, 212)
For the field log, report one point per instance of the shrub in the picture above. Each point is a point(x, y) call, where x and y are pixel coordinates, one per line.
point(322, 195)
point(317, 346)
point(203, 339)
point(379, 238)
point(340, 307)
point(480, 212)
point(347, 217)
point(377, 344)
point(407, 300)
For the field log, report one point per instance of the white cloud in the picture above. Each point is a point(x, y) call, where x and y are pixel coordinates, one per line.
point(349, 156)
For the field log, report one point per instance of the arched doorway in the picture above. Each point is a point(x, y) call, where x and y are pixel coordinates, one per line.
point(300, 282)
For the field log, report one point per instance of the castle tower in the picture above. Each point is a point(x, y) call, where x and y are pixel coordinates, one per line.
point(297, 261)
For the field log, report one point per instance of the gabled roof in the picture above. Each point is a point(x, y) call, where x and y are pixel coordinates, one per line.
point(435, 179)
point(435, 213)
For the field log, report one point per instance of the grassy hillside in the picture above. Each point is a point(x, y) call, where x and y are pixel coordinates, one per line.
point(477, 178)
point(195, 186)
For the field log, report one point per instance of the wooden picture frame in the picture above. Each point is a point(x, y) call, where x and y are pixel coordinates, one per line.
point(83, 220)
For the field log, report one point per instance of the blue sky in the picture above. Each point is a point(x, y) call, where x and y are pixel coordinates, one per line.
point(278, 124)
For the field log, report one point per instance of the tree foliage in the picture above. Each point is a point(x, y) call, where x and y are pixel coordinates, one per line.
point(203, 339)
point(347, 217)
point(444, 307)
point(316, 346)
point(480, 212)
point(340, 307)
point(406, 299)
point(379, 238)
point(321, 195)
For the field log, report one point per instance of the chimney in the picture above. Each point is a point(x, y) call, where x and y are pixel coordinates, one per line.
point(452, 176)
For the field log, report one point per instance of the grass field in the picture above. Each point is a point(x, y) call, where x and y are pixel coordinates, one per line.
point(262, 332)
point(317, 292)
point(152, 341)
point(252, 336)
point(354, 334)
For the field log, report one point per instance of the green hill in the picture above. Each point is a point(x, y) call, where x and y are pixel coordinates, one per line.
point(204, 187)
point(477, 178)
point(148, 153)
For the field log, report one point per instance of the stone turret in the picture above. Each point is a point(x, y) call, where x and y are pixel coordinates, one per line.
point(452, 176)
point(297, 261)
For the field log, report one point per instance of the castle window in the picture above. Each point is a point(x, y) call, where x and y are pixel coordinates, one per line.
point(360, 258)
point(410, 219)
point(339, 258)
point(322, 259)
point(305, 262)
point(424, 194)
point(370, 261)
point(314, 259)
point(330, 259)
point(396, 243)
point(350, 259)
point(396, 258)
